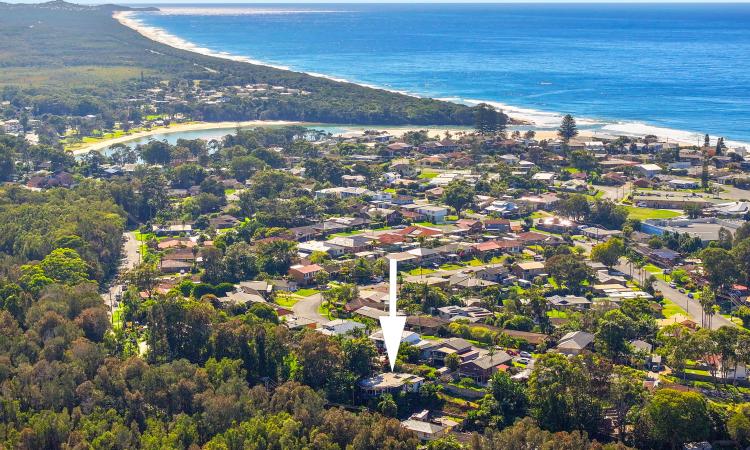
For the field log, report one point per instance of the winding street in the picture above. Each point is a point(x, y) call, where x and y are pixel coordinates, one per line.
point(307, 308)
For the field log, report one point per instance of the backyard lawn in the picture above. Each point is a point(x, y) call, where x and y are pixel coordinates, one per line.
point(426, 174)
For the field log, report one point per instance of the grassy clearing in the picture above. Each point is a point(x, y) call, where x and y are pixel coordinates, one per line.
point(286, 300)
point(451, 267)
point(427, 175)
point(671, 308)
point(307, 292)
point(635, 212)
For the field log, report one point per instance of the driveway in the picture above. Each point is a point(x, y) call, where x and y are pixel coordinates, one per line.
point(130, 258)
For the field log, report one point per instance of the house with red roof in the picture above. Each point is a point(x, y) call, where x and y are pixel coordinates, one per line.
point(304, 274)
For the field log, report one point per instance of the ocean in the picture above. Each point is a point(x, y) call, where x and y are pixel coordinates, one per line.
point(674, 70)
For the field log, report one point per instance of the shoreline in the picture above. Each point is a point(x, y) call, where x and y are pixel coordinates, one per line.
point(178, 128)
point(437, 131)
point(538, 120)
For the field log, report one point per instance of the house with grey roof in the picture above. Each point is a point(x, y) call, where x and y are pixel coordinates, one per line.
point(575, 342)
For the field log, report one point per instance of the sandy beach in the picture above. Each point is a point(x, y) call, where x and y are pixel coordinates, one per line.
point(543, 123)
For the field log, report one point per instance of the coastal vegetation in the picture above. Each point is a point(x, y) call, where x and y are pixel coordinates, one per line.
point(65, 59)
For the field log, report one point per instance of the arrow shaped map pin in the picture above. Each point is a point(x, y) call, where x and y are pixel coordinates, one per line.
point(392, 325)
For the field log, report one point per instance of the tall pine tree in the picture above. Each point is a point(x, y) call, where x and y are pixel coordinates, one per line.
point(568, 128)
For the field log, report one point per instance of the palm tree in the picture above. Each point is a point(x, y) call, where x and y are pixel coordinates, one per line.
point(707, 301)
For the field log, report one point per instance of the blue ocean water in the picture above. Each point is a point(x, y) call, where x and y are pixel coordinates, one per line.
point(630, 68)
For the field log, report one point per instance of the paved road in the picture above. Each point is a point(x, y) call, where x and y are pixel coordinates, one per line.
point(130, 259)
point(615, 193)
point(691, 306)
point(307, 308)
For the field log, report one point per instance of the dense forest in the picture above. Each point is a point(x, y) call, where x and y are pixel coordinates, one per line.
point(66, 59)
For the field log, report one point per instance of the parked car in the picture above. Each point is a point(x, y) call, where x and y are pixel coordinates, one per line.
point(672, 285)
point(523, 361)
point(524, 354)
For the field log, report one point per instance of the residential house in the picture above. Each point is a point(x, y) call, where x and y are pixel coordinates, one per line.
point(425, 431)
point(482, 369)
point(544, 177)
point(472, 313)
point(223, 222)
point(351, 244)
point(390, 383)
point(172, 230)
point(304, 274)
point(340, 327)
point(408, 337)
point(569, 302)
point(649, 170)
point(497, 225)
point(528, 270)
point(434, 214)
point(575, 342)
point(174, 266)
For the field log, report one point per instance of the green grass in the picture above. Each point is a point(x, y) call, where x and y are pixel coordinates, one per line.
point(557, 314)
point(324, 310)
point(671, 309)
point(426, 224)
point(117, 319)
point(427, 175)
point(635, 212)
point(650, 268)
point(736, 320)
point(286, 300)
point(539, 214)
point(307, 292)
point(347, 233)
point(451, 267)
point(428, 337)
point(420, 271)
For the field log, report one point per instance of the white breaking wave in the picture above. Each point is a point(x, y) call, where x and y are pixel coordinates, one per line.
point(537, 118)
